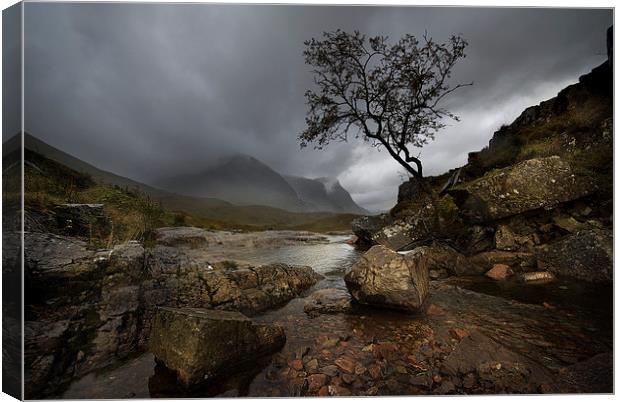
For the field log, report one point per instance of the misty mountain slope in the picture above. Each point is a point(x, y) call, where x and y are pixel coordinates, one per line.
point(244, 180)
point(36, 145)
point(241, 180)
point(324, 194)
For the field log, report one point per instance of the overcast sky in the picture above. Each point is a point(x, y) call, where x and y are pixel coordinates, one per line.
point(153, 90)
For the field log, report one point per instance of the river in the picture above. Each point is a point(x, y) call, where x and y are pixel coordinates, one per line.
point(410, 343)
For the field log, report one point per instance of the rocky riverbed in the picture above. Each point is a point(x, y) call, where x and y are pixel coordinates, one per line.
point(473, 335)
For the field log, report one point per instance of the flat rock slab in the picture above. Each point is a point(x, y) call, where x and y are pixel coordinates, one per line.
point(200, 344)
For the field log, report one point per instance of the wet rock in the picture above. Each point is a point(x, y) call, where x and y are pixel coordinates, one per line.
point(327, 301)
point(345, 364)
point(459, 333)
point(336, 390)
point(481, 263)
point(499, 272)
point(316, 382)
point(568, 224)
point(446, 387)
point(586, 255)
point(200, 344)
point(537, 276)
point(481, 355)
point(296, 365)
point(182, 236)
point(441, 257)
point(541, 183)
point(594, 375)
point(366, 226)
point(330, 370)
point(387, 279)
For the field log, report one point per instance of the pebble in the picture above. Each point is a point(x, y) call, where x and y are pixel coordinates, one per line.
point(316, 382)
point(345, 364)
point(459, 333)
point(330, 370)
point(296, 364)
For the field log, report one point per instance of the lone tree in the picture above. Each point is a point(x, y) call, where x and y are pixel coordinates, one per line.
point(389, 94)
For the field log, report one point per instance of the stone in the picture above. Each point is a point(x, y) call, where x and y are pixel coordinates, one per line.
point(537, 276)
point(568, 224)
point(499, 272)
point(482, 355)
point(385, 278)
point(330, 370)
point(593, 375)
point(316, 382)
point(296, 364)
point(518, 261)
point(345, 365)
point(505, 239)
point(459, 333)
point(327, 301)
point(366, 226)
point(586, 255)
point(540, 183)
point(199, 344)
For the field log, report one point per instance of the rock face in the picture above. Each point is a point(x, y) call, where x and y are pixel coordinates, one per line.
point(529, 185)
point(586, 255)
point(201, 344)
point(366, 226)
point(98, 306)
point(385, 278)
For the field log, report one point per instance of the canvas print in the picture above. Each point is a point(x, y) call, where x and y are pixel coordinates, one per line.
point(233, 200)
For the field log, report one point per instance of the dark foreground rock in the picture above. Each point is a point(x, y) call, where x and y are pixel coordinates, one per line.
point(388, 279)
point(586, 255)
point(200, 344)
point(365, 227)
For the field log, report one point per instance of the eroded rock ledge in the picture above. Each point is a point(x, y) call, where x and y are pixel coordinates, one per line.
point(97, 306)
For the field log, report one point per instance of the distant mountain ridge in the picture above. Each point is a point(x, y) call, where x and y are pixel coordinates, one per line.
point(244, 180)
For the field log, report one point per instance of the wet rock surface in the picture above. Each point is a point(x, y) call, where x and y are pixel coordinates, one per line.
point(87, 309)
point(385, 278)
point(586, 255)
point(529, 185)
point(199, 344)
point(328, 301)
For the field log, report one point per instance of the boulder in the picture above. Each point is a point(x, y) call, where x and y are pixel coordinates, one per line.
point(327, 301)
point(541, 183)
point(200, 344)
point(409, 190)
point(366, 226)
point(388, 279)
point(586, 255)
point(440, 258)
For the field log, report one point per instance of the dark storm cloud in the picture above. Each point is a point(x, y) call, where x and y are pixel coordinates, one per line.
point(152, 90)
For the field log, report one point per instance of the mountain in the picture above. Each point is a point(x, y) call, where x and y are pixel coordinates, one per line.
point(324, 194)
point(239, 179)
point(244, 180)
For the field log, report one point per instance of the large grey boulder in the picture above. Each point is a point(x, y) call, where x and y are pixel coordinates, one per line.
point(201, 344)
point(586, 255)
point(541, 183)
point(388, 279)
